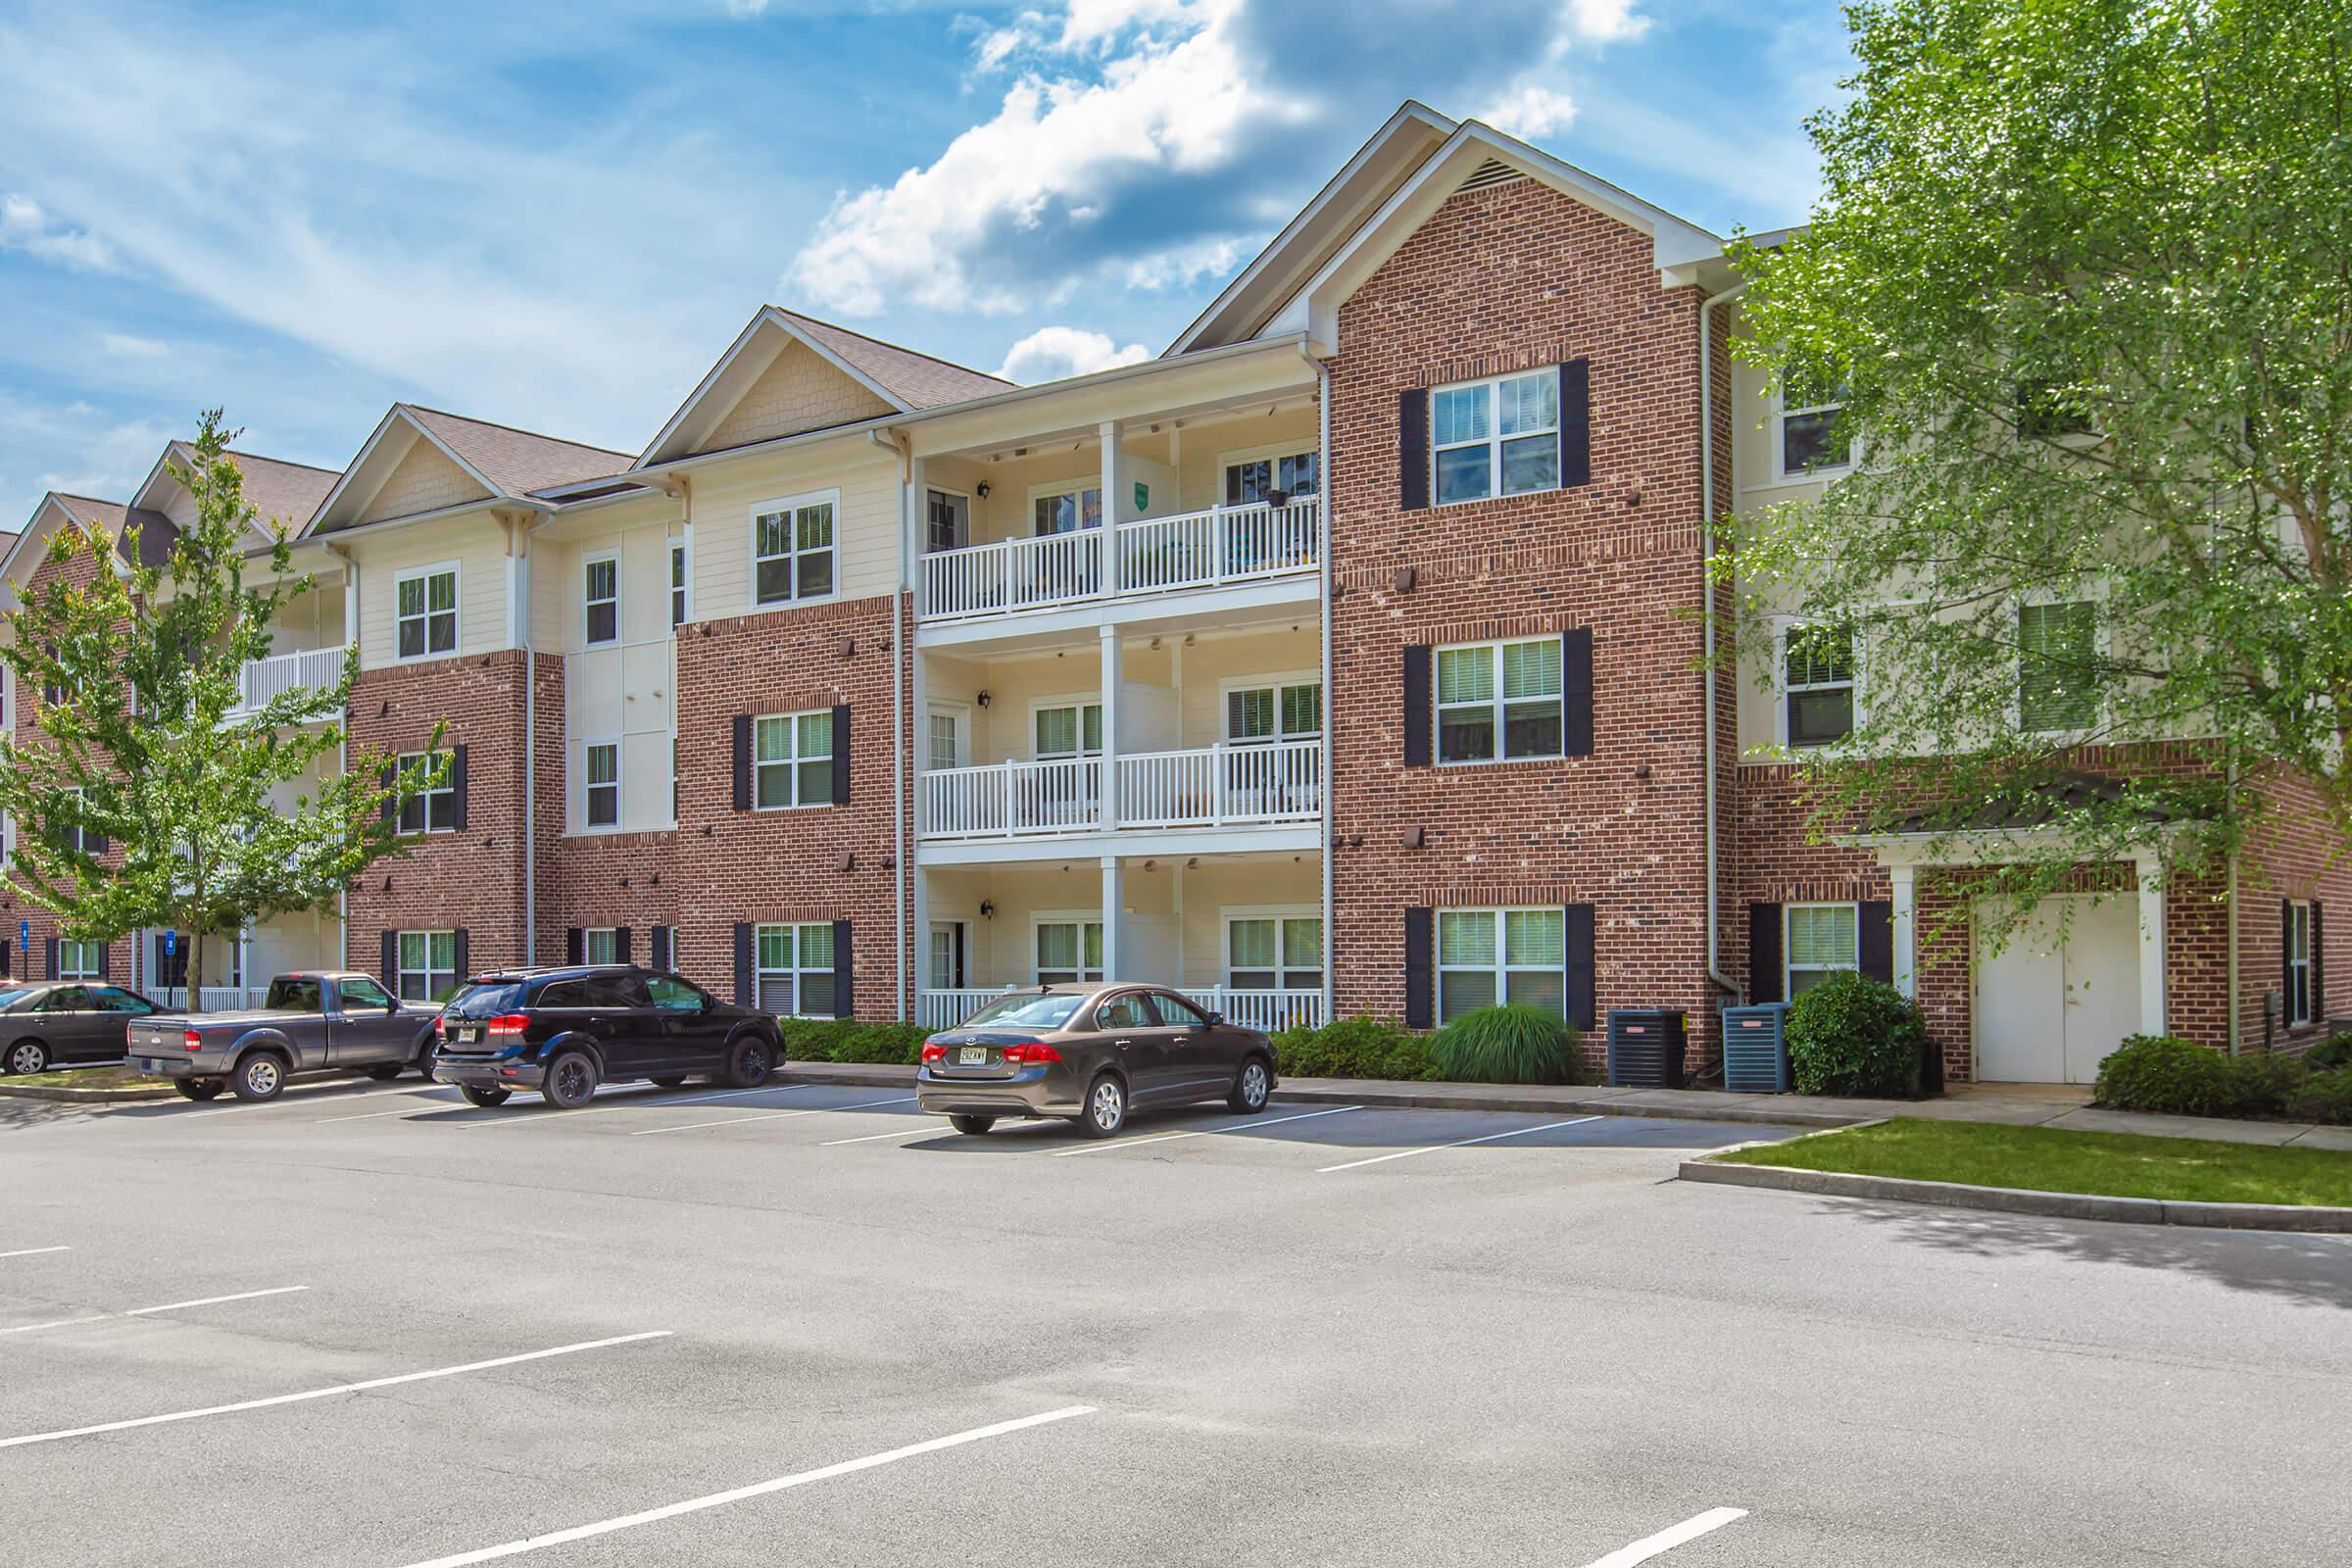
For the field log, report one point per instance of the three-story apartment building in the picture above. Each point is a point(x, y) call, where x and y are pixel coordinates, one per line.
point(1340, 660)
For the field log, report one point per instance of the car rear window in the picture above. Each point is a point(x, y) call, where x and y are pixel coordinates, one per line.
point(487, 1001)
point(290, 994)
point(1033, 1011)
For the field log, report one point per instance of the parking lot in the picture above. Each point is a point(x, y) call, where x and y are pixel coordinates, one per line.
point(367, 1324)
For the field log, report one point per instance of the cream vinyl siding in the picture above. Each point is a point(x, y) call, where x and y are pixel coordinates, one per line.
point(424, 480)
point(865, 525)
point(475, 542)
point(625, 691)
point(1211, 664)
point(1214, 887)
point(1206, 445)
point(800, 390)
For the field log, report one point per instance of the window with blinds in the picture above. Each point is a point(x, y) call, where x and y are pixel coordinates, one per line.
point(2057, 646)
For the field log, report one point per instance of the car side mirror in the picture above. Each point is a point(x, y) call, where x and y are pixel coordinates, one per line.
point(391, 1005)
point(1215, 1019)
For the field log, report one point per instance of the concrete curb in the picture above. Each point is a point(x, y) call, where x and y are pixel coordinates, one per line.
point(2020, 1200)
point(87, 1097)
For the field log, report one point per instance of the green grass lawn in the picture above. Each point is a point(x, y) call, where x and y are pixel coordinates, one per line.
point(88, 1078)
point(2046, 1161)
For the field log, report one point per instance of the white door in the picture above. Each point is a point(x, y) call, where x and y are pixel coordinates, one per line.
point(2060, 994)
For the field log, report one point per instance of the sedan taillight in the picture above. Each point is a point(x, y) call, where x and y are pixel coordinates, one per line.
point(933, 1051)
point(1030, 1054)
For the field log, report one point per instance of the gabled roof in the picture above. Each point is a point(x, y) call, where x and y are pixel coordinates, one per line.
point(506, 463)
point(87, 510)
point(900, 378)
point(278, 491)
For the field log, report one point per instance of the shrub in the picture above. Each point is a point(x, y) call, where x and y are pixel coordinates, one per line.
point(2325, 1097)
point(1853, 1036)
point(2168, 1075)
point(1509, 1043)
point(2260, 1086)
point(849, 1041)
point(2333, 1051)
point(1353, 1047)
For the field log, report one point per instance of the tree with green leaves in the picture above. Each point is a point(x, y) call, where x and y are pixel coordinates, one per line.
point(2081, 277)
point(150, 792)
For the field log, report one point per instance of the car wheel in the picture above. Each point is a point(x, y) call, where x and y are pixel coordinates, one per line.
point(28, 1056)
point(262, 1075)
point(197, 1087)
point(1106, 1109)
point(971, 1126)
point(669, 1079)
point(487, 1098)
point(383, 1070)
point(1250, 1089)
point(571, 1081)
point(428, 1056)
point(748, 1063)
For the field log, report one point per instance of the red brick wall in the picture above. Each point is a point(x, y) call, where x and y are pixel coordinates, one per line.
point(1506, 278)
point(2292, 853)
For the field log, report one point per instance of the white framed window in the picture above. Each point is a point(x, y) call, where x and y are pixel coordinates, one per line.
point(1273, 950)
point(2295, 1006)
point(2057, 650)
point(947, 737)
point(796, 970)
point(1283, 709)
point(1490, 955)
point(1817, 685)
point(425, 612)
point(1497, 437)
point(428, 810)
point(793, 549)
point(1065, 730)
point(681, 599)
point(600, 944)
point(427, 964)
point(792, 761)
point(1065, 509)
point(1499, 702)
point(602, 774)
point(78, 960)
point(1069, 951)
point(1292, 467)
point(1818, 939)
point(948, 947)
point(1805, 413)
point(601, 597)
point(77, 836)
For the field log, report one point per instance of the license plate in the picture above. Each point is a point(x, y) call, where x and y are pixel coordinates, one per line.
point(472, 1036)
point(972, 1056)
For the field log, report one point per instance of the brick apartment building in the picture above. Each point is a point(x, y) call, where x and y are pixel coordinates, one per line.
point(1340, 660)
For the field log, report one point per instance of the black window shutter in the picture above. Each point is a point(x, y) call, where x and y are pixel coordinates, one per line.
point(621, 944)
point(2318, 970)
point(459, 941)
point(1577, 974)
point(576, 945)
point(2286, 958)
point(742, 762)
point(391, 805)
point(841, 753)
point(1875, 939)
point(745, 996)
point(1418, 714)
point(660, 954)
point(1576, 423)
point(1576, 692)
point(98, 844)
point(1764, 975)
point(391, 958)
point(106, 961)
point(49, 958)
point(8, 959)
point(456, 784)
point(1412, 448)
point(845, 974)
point(1420, 953)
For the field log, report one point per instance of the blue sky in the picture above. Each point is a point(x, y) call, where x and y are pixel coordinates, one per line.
point(556, 215)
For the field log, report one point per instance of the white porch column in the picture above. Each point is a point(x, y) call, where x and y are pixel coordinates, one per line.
point(1114, 668)
point(2151, 943)
point(922, 938)
point(1114, 919)
point(1114, 494)
point(1906, 927)
point(244, 956)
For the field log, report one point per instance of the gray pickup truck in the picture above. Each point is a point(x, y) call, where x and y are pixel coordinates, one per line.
point(308, 1021)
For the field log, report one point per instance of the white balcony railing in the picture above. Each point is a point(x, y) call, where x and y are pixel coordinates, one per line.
point(262, 680)
point(1271, 1010)
point(1213, 786)
point(213, 998)
point(1155, 555)
point(945, 1010)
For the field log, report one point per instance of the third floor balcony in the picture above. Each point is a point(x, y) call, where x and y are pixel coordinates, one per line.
point(1202, 787)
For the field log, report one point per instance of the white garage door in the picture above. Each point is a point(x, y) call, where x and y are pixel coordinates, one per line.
point(2060, 994)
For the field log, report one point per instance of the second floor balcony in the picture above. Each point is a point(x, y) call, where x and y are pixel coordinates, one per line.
point(1202, 787)
point(308, 669)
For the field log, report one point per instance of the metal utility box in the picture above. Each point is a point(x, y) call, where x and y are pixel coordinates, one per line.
point(1646, 1048)
point(1755, 1049)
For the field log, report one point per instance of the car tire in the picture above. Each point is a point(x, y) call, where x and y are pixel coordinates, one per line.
point(749, 1062)
point(570, 1080)
point(197, 1087)
point(383, 1071)
point(669, 1079)
point(26, 1058)
point(1251, 1087)
point(428, 1056)
point(969, 1125)
point(1106, 1109)
point(487, 1098)
point(260, 1075)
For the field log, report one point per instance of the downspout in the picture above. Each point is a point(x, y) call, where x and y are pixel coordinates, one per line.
point(1323, 568)
point(2237, 1024)
point(1706, 508)
point(896, 440)
point(351, 598)
point(519, 605)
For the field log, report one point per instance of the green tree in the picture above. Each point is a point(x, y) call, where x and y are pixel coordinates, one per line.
point(2082, 270)
point(149, 795)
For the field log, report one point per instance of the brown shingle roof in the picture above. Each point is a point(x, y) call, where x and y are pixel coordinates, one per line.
point(517, 461)
point(918, 380)
point(281, 491)
point(107, 515)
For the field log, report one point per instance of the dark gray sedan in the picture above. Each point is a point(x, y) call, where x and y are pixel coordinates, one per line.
point(63, 1023)
point(1088, 1053)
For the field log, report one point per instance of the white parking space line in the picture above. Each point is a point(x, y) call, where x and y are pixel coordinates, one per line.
point(150, 1311)
point(773, 1116)
point(621, 1100)
point(302, 1093)
point(1202, 1132)
point(1665, 1541)
point(323, 1393)
point(1459, 1143)
point(34, 1252)
point(715, 1499)
point(923, 1131)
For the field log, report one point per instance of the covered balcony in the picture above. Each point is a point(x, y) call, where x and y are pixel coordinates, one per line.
point(307, 668)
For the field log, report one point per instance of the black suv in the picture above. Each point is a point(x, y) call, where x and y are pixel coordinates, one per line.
point(564, 1031)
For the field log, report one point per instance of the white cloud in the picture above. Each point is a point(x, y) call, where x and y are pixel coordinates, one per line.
point(25, 226)
point(102, 458)
point(1532, 112)
point(1051, 352)
point(125, 346)
point(1606, 21)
